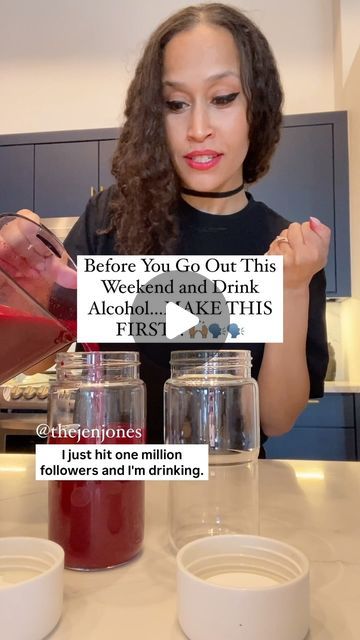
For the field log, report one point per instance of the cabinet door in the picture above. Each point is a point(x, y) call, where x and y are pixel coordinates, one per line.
point(324, 431)
point(300, 182)
point(65, 173)
point(333, 410)
point(309, 176)
point(16, 177)
point(106, 152)
point(313, 443)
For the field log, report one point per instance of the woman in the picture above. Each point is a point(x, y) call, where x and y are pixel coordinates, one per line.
point(202, 117)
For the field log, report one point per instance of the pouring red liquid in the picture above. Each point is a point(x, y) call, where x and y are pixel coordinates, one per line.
point(37, 295)
point(39, 336)
point(98, 523)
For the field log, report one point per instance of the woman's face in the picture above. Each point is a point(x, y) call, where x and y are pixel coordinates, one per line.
point(205, 108)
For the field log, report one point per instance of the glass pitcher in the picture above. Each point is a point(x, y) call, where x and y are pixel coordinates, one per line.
point(99, 395)
point(37, 294)
point(212, 399)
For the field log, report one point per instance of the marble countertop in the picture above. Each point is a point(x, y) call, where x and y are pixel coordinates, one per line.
point(311, 505)
point(342, 386)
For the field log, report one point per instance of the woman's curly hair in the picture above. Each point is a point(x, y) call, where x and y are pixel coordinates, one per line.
point(144, 205)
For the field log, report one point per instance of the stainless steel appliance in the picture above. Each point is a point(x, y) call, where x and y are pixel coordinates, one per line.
point(60, 226)
point(23, 406)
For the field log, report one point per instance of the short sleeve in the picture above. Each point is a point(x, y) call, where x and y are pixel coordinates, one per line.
point(80, 240)
point(83, 238)
point(316, 344)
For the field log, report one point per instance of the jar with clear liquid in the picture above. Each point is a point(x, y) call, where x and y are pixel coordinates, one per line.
point(212, 399)
point(99, 397)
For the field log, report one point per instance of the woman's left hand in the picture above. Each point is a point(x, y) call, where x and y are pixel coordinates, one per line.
point(305, 249)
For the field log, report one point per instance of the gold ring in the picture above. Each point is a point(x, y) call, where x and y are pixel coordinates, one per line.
point(281, 239)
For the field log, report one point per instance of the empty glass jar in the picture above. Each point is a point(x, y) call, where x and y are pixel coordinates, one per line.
point(212, 399)
point(99, 396)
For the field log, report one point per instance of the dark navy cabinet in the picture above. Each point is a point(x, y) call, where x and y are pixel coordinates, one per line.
point(326, 430)
point(64, 174)
point(16, 177)
point(106, 152)
point(309, 177)
point(55, 174)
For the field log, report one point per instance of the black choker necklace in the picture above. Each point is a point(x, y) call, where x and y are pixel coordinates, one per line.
point(212, 194)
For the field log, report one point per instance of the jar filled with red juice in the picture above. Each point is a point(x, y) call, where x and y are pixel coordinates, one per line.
point(98, 398)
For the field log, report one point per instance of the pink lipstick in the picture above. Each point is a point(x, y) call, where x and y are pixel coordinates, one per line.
point(203, 159)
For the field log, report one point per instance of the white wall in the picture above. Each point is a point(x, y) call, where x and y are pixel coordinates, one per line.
point(66, 65)
point(347, 96)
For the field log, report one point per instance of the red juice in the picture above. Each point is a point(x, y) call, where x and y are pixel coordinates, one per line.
point(26, 339)
point(71, 326)
point(99, 523)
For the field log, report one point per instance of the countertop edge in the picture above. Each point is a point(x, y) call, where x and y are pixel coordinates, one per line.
point(341, 386)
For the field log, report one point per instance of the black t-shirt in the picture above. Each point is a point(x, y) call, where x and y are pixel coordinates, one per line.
point(247, 232)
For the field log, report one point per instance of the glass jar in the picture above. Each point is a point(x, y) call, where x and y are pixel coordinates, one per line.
point(99, 397)
point(212, 399)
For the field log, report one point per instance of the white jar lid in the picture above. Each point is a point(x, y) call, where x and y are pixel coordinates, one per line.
point(31, 587)
point(238, 586)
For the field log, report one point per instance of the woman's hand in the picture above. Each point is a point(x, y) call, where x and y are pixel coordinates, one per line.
point(284, 382)
point(27, 258)
point(305, 249)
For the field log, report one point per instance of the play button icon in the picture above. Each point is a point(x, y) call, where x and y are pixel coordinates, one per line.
point(178, 320)
point(181, 308)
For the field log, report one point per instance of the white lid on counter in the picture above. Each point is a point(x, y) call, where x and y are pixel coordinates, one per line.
point(238, 586)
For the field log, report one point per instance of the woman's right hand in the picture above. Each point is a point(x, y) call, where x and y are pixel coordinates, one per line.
point(26, 258)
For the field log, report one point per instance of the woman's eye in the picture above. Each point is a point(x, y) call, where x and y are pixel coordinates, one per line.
point(175, 105)
point(222, 100)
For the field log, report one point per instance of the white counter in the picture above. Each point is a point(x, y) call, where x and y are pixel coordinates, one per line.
point(312, 505)
point(339, 386)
